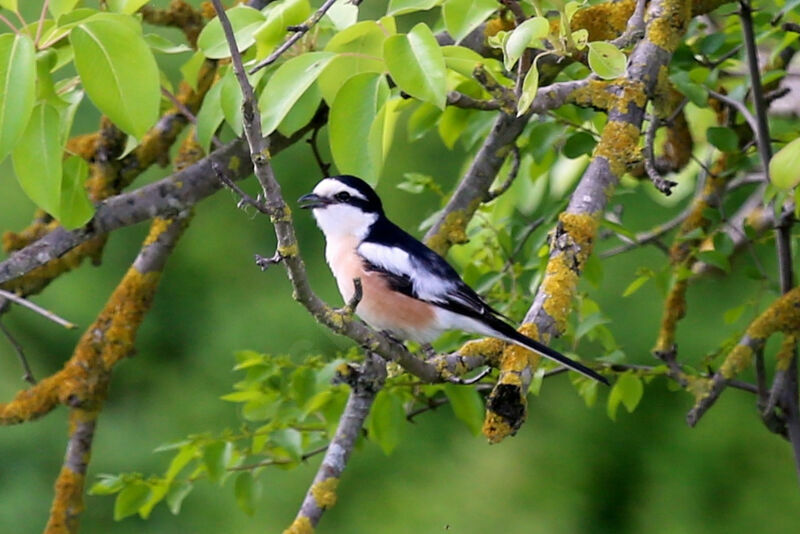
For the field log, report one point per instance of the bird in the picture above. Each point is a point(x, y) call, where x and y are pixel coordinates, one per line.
point(408, 290)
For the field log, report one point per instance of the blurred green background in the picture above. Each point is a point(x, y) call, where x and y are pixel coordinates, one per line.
point(570, 469)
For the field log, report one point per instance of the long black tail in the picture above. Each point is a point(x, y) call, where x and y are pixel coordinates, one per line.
point(513, 335)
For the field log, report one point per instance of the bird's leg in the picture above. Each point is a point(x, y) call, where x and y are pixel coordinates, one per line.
point(428, 350)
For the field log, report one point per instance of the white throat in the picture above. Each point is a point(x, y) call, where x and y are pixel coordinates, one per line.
point(342, 221)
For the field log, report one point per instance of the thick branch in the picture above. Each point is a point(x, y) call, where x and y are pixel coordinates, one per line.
point(576, 232)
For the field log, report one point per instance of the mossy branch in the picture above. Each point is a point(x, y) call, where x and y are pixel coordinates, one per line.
point(576, 232)
point(782, 316)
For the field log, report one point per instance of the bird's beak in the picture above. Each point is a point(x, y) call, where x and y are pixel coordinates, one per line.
point(311, 201)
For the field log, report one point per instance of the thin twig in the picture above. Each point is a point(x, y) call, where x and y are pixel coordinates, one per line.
point(649, 236)
point(512, 175)
point(27, 372)
point(9, 24)
point(279, 461)
point(180, 106)
point(469, 381)
point(36, 308)
point(40, 25)
point(245, 199)
point(299, 31)
point(312, 141)
point(660, 183)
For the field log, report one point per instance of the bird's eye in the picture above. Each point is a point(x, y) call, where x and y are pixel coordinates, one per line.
point(343, 196)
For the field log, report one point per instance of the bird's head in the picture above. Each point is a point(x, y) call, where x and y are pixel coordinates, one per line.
point(343, 206)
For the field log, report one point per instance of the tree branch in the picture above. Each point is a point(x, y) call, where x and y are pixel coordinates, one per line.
point(365, 383)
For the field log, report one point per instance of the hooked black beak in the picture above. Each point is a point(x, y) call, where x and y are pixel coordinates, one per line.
point(311, 201)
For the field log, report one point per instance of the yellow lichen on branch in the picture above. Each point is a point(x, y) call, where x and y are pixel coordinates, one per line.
point(782, 316)
point(452, 230)
point(324, 492)
point(301, 525)
point(68, 504)
point(619, 145)
point(509, 391)
point(604, 21)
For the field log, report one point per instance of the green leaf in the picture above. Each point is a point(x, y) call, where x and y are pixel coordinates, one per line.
point(159, 43)
point(11, 5)
point(287, 85)
point(247, 491)
point(351, 116)
point(784, 167)
point(177, 492)
point(606, 60)
point(128, 7)
point(634, 286)
point(186, 454)
point(360, 49)
point(715, 258)
point(463, 16)
point(724, 139)
point(302, 112)
point(579, 144)
point(303, 384)
point(191, 69)
point(590, 323)
point(627, 390)
point(130, 499)
point(216, 456)
point(695, 92)
point(422, 120)
point(522, 37)
point(467, 405)
point(244, 21)
point(732, 315)
point(37, 159)
point(529, 88)
point(75, 209)
point(290, 440)
point(401, 7)
point(107, 485)
point(210, 116)
point(59, 7)
point(342, 14)
point(230, 99)
point(118, 71)
point(280, 16)
point(386, 421)
point(416, 64)
point(18, 89)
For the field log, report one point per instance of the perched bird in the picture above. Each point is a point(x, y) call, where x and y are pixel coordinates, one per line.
point(409, 290)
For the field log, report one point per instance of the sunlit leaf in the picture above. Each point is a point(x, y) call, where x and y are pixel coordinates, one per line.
point(784, 167)
point(281, 15)
point(463, 16)
point(75, 209)
point(628, 390)
point(606, 60)
point(416, 64)
point(244, 21)
point(351, 117)
point(118, 71)
point(287, 85)
point(401, 7)
point(17, 88)
point(130, 499)
point(210, 116)
point(522, 37)
point(37, 159)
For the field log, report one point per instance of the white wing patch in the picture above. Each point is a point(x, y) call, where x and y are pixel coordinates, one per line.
point(427, 285)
